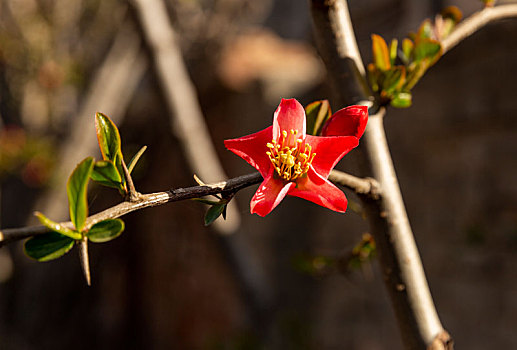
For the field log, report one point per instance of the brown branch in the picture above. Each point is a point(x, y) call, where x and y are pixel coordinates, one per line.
point(367, 187)
point(399, 258)
point(364, 187)
point(477, 21)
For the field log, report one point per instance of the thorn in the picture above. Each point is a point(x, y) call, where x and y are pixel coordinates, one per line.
point(198, 180)
point(133, 195)
point(85, 261)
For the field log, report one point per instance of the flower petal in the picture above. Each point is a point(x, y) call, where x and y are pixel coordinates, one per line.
point(349, 121)
point(252, 148)
point(329, 151)
point(269, 194)
point(289, 115)
point(318, 190)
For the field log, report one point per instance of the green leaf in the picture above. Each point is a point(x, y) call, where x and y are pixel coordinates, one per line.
point(427, 49)
point(54, 226)
point(407, 49)
point(120, 168)
point(393, 51)
point(105, 231)
point(373, 76)
point(135, 159)
point(48, 246)
point(381, 56)
point(77, 190)
point(105, 173)
point(214, 212)
point(401, 100)
point(317, 114)
point(425, 31)
point(415, 71)
point(394, 79)
point(206, 201)
point(108, 137)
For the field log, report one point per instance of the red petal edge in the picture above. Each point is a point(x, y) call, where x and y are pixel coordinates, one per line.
point(320, 191)
point(349, 121)
point(329, 151)
point(252, 148)
point(269, 194)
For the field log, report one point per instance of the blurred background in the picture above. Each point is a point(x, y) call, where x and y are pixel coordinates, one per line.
point(287, 281)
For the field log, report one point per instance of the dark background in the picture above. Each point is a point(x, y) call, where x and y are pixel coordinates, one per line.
point(169, 282)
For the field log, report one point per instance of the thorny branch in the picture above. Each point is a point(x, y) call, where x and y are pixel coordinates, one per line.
point(363, 187)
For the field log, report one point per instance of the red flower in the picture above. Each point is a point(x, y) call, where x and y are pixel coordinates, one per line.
point(293, 163)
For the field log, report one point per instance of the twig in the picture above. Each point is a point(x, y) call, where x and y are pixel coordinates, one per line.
point(399, 258)
point(365, 187)
point(368, 187)
point(477, 21)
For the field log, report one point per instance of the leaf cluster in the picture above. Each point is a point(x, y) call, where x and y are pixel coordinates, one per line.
point(108, 172)
point(396, 69)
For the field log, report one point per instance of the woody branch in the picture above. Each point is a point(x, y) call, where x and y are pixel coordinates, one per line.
point(363, 187)
point(399, 258)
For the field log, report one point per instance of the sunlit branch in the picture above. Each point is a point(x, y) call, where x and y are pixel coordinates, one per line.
point(364, 187)
point(400, 262)
point(477, 21)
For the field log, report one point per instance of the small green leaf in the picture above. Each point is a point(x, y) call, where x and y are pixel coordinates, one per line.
point(120, 168)
point(105, 231)
point(76, 188)
point(415, 72)
point(393, 51)
point(214, 212)
point(54, 226)
point(135, 159)
point(373, 76)
point(401, 100)
point(394, 79)
point(448, 26)
point(317, 114)
point(425, 31)
point(108, 137)
point(381, 56)
point(407, 49)
point(206, 201)
point(105, 173)
point(48, 246)
point(427, 49)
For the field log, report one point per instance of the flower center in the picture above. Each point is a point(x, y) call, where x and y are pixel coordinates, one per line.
point(290, 156)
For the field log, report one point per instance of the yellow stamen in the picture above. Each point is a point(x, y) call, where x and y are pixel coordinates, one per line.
point(290, 156)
